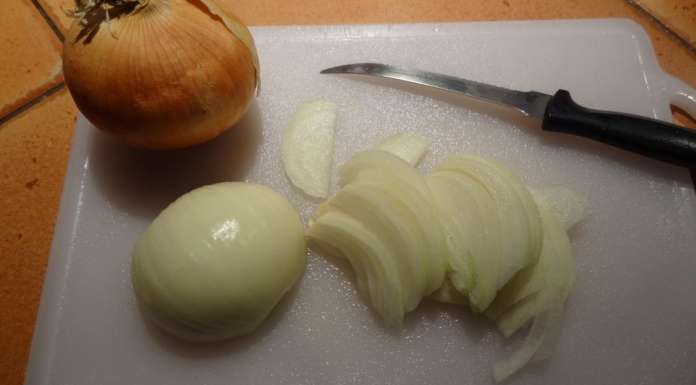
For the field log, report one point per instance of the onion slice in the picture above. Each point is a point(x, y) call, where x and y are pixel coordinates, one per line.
point(307, 148)
point(447, 293)
point(391, 221)
point(405, 184)
point(539, 293)
point(341, 235)
point(537, 344)
point(569, 205)
point(408, 146)
point(519, 216)
point(417, 210)
point(551, 279)
point(390, 201)
point(472, 233)
point(561, 209)
point(385, 162)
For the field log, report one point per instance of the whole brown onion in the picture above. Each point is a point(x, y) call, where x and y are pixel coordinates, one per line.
point(160, 73)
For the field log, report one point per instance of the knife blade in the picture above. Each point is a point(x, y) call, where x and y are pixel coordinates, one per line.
point(558, 113)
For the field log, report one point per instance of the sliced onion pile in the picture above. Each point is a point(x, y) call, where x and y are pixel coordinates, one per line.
point(469, 233)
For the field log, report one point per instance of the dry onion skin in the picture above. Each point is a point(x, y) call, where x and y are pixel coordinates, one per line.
point(160, 73)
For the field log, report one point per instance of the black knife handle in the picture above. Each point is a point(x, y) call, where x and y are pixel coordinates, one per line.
point(649, 137)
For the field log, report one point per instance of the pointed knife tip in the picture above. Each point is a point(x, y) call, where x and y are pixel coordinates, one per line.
point(336, 70)
point(354, 68)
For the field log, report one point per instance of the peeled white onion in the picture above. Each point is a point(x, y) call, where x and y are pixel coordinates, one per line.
point(215, 262)
point(307, 149)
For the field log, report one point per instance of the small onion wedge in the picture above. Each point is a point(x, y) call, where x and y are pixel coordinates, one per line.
point(388, 171)
point(377, 275)
point(519, 216)
point(389, 199)
point(382, 215)
point(542, 335)
point(550, 279)
point(386, 162)
point(537, 294)
point(569, 205)
point(409, 146)
point(418, 210)
point(555, 265)
point(307, 148)
point(447, 293)
point(455, 214)
point(464, 206)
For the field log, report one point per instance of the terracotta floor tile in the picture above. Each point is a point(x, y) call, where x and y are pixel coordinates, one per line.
point(55, 9)
point(30, 62)
point(677, 15)
point(34, 147)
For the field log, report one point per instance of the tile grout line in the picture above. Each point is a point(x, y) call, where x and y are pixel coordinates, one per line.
point(48, 20)
point(4, 119)
point(669, 31)
point(32, 102)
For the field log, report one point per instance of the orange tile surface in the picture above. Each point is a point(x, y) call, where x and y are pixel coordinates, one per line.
point(677, 15)
point(34, 145)
point(32, 164)
point(30, 61)
point(56, 10)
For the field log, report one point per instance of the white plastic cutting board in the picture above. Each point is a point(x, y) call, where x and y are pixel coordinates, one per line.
point(631, 318)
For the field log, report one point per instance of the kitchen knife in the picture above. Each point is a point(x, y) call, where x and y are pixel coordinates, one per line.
point(558, 113)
